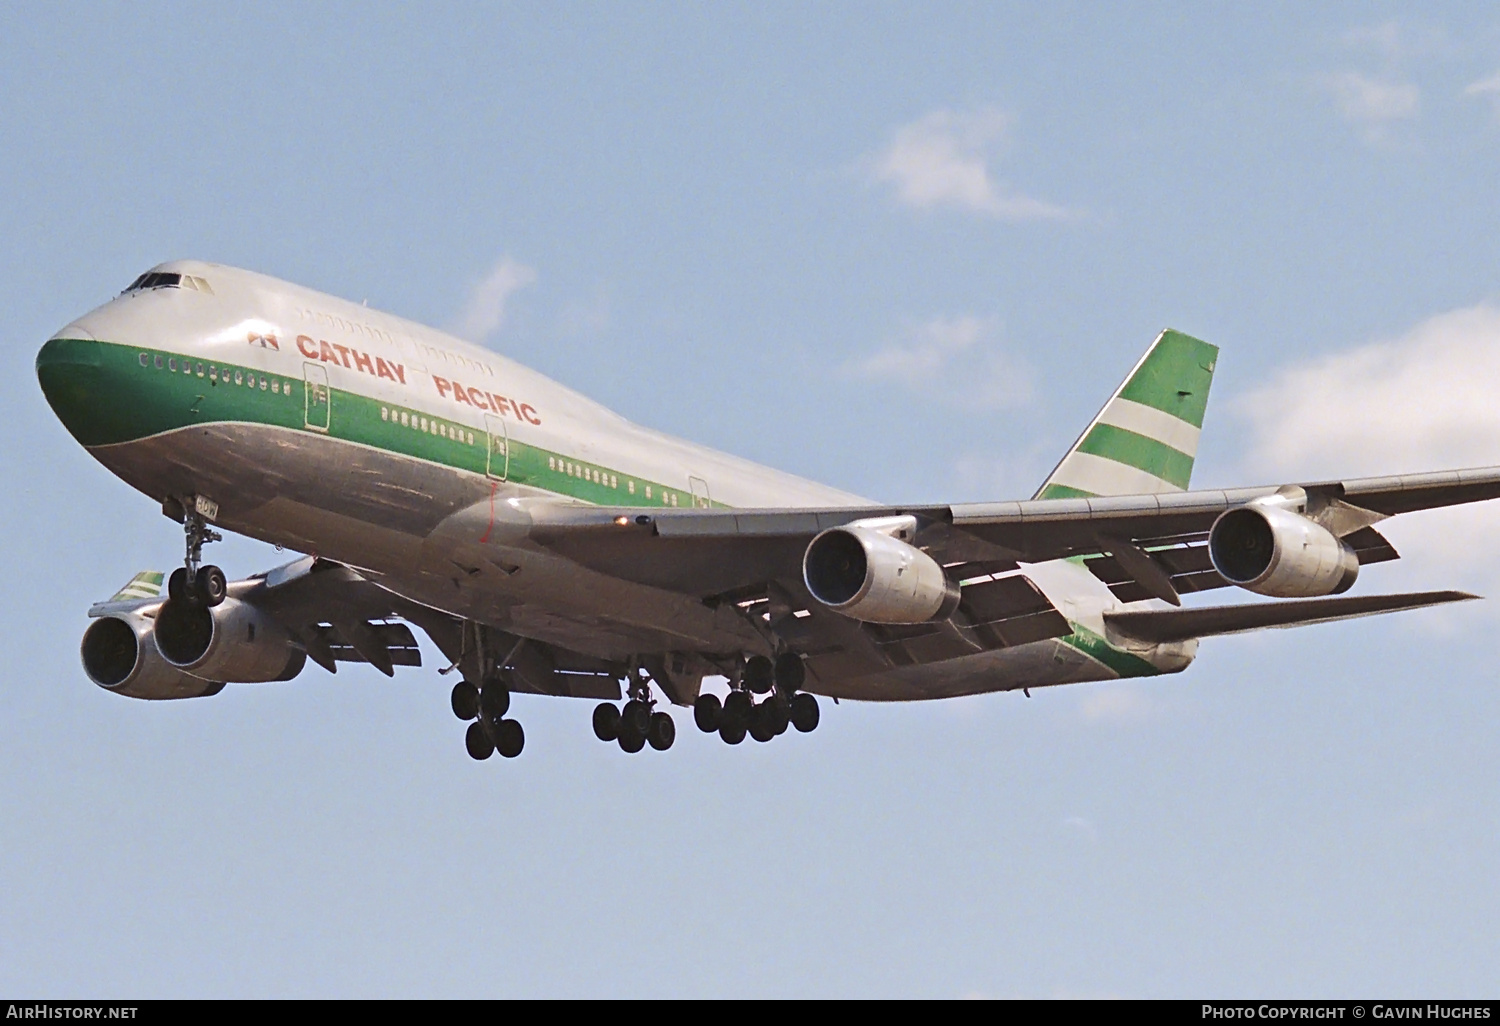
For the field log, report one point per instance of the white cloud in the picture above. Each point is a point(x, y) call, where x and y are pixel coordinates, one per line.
point(1487, 89)
point(484, 314)
point(943, 160)
point(1372, 103)
point(1422, 401)
point(955, 356)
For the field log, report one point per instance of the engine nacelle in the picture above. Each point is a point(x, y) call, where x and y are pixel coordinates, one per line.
point(869, 575)
point(119, 655)
point(232, 641)
point(1273, 551)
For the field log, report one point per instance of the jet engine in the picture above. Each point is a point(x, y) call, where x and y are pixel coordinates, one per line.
point(120, 656)
point(1273, 551)
point(865, 571)
point(233, 641)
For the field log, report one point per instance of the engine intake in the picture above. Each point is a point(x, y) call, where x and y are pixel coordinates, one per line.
point(868, 575)
point(232, 641)
point(120, 656)
point(1273, 551)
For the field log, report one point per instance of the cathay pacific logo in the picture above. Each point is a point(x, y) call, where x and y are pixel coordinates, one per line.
point(340, 356)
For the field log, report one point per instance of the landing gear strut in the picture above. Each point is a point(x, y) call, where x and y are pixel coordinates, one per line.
point(194, 582)
point(485, 704)
point(636, 725)
point(739, 714)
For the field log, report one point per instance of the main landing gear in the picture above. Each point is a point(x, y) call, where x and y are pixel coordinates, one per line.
point(739, 714)
point(194, 583)
point(486, 705)
point(636, 725)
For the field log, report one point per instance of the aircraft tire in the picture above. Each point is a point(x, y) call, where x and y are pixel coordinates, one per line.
point(762, 727)
point(731, 733)
point(776, 716)
point(509, 738)
point(663, 731)
point(631, 741)
point(789, 672)
point(706, 713)
point(177, 589)
point(606, 721)
point(804, 713)
point(494, 700)
point(477, 741)
point(211, 585)
point(465, 700)
point(759, 674)
point(736, 711)
point(636, 716)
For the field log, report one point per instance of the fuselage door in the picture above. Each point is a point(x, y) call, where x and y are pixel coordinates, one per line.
point(315, 396)
point(699, 489)
point(498, 464)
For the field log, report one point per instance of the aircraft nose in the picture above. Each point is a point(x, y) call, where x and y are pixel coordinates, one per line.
point(75, 378)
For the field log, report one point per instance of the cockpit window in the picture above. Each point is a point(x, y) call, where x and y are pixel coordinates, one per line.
point(169, 280)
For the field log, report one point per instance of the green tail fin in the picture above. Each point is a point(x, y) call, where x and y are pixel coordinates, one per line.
point(1146, 437)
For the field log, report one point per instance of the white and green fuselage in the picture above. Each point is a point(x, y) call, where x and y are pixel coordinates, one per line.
point(326, 427)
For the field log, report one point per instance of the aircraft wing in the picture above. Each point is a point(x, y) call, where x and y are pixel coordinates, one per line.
point(1164, 625)
point(713, 551)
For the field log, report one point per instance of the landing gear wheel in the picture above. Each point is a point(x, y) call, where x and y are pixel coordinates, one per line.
point(636, 717)
point(762, 728)
point(789, 672)
point(509, 738)
point(606, 721)
point(177, 589)
point(494, 700)
point(211, 585)
point(776, 716)
point(706, 713)
point(662, 733)
point(736, 712)
point(631, 740)
point(732, 733)
point(465, 700)
point(804, 712)
point(478, 742)
point(759, 674)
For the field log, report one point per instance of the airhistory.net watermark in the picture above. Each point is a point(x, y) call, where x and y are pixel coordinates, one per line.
point(43, 1010)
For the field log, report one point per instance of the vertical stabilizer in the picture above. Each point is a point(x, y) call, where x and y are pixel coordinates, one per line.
point(1146, 437)
point(146, 584)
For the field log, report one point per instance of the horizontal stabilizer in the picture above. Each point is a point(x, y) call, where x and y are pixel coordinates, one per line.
point(1164, 625)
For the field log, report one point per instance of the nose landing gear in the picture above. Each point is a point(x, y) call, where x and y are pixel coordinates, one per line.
point(194, 582)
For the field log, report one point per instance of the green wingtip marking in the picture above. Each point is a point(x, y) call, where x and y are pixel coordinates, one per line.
point(1175, 377)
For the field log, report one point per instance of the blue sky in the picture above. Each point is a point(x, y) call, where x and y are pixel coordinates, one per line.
point(907, 250)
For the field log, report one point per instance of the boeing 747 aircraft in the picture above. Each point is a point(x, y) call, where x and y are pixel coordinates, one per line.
point(547, 545)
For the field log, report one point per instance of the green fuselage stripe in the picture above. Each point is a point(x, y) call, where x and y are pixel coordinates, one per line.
point(108, 394)
point(1123, 663)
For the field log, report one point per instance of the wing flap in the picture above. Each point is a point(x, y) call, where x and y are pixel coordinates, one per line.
point(1167, 625)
